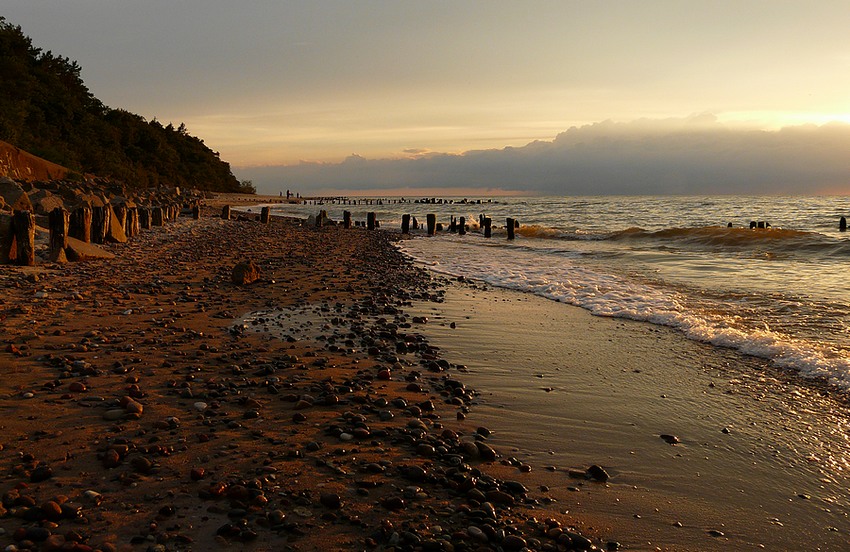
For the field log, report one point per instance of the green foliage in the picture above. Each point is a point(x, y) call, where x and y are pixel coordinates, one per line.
point(247, 187)
point(46, 109)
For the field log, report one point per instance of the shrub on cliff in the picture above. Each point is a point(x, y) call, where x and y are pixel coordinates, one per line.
point(46, 109)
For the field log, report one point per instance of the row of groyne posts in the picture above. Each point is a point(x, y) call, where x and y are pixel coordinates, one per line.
point(408, 222)
point(89, 224)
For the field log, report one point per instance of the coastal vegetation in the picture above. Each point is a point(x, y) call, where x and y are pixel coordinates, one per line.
point(47, 110)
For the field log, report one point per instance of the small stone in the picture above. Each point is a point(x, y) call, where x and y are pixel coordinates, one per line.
point(245, 273)
point(41, 473)
point(672, 439)
point(331, 500)
point(597, 473)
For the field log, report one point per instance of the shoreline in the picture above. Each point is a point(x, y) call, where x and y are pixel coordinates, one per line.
point(757, 457)
point(138, 413)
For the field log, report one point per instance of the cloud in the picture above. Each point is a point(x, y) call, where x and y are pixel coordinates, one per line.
point(694, 155)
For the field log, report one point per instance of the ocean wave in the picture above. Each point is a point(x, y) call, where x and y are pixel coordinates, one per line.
point(717, 323)
point(777, 240)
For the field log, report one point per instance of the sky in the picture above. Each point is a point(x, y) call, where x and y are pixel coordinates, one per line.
point(647, 96)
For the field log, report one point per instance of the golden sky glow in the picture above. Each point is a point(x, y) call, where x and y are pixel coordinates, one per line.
point(271, 82)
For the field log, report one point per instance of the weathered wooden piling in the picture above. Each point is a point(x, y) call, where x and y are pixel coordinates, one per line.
point(144, 218)
point(101, 216)
point(265, 215)
point(488, 223)
point(511, 226)
point(842, 224)
point(131, 224)
point(196, 211)
point(321, 218)
point(346, 219)
point(225, 212)
point(120, 212)
point(23, 223)
point(405, 224)
point(461, 227)
point(432, 223)
point(156, 216)
point(59, 220)
point(80, 224)
point(371, 220)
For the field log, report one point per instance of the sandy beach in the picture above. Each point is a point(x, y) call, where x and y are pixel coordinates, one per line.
point(142, 412)
point(707, 449)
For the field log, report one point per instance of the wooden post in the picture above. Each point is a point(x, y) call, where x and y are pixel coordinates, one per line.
point(842, 224)
point(511, 225)
point(488, 222)
point(59, 220)
point(131, 223)
point(80, 224)
point(100, 218)
point(432, 224)
point(196, 211)
point(23, 223)
point(405, 224)
point(225, 212)
point(156, 216)
point(346, 219)
point(461, 227)
point(370, 220)
point(265, 214)
point(144, 218)
point(120, 211)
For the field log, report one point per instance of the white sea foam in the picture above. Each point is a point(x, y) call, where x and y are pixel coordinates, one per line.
point(565, 279)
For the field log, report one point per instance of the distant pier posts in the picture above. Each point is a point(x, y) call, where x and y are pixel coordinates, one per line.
point(59, 220)
point(461, 227)
point(432, 224)
point(225, 212)
point(511, 225)
point(405, 224)
point(265, 214)
point(346, 219)
point(23, 223)
point(371, 220)
point(488, 222)
point(842, 224)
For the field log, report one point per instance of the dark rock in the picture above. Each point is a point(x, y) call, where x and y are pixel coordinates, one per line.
point(597, 473)
point(245, 273)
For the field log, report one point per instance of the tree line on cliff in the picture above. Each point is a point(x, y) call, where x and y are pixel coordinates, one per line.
point(46, 109)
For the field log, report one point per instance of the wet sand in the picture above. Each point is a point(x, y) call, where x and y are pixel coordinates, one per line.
point(758, 458)
point(142, 411)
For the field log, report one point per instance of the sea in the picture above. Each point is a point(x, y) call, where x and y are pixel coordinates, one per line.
point(741, 352)
point(779, 291)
